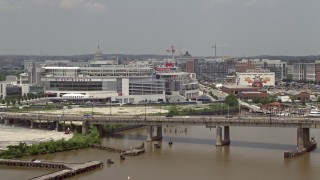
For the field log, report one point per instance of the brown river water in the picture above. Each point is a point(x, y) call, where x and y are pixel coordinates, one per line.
point(254, 153)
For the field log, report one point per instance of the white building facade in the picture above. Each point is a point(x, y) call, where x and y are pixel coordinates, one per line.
point(256, 79)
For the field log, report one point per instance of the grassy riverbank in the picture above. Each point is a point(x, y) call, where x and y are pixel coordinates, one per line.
point(78, 141)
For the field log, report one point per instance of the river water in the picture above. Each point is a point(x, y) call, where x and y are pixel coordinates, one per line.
point(254, 153)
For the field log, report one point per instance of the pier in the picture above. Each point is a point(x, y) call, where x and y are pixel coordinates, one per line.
point(66, 170)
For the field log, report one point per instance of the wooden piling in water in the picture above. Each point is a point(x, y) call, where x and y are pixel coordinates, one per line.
point(132, 152)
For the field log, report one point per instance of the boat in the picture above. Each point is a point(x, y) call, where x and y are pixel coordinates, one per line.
point(314, 113)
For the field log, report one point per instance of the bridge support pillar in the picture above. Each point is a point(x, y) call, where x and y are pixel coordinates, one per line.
point(100, 129)
point(149, 133)
point(159, 133)
point(1, 120)
point(218, 136)
point(57, 126)
point(39, 124)
point(85, 127)
point(303, 138)
point(226, 140)
point(15, 121)
point(31, 124)
point(150, 136)
point(6, 122)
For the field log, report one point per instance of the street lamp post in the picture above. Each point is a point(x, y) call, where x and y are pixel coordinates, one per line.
point(228, 112)
point(239, 109)
point(92, 109)
point(270, 112)
point(210, 109)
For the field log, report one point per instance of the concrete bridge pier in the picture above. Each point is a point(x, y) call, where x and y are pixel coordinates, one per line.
point(226, 140)
point(100, 129)
point(159, 133)
point(15, 121)
point(57, 126)
point(39, 124)
point(218, 136)
point(85, 127)
point(149, 133)
point(303, 138)
point(6, 122)
point(31, 124)
point(150, 136)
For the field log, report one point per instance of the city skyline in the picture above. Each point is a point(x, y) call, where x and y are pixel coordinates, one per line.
point(76, 27)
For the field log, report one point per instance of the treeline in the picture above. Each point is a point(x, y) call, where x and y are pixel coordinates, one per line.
point(220, 108)
point(78, 141)
point(5, 73)
point(18, 99)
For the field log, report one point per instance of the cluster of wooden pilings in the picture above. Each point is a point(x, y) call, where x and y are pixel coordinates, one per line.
point(132, 152)
point(107, 148)
point(298, 152)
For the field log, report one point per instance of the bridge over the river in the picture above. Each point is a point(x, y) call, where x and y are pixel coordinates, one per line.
point(303, 124)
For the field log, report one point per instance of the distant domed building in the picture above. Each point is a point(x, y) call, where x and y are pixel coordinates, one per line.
point(186, 55)
point(98, 54)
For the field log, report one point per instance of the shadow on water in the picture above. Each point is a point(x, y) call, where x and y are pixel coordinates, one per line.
point(273, 146)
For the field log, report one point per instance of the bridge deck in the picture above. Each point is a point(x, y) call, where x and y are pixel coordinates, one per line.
point(254, 121)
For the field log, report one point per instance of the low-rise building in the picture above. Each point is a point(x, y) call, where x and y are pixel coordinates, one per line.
point(251, 96)
point(238, 89)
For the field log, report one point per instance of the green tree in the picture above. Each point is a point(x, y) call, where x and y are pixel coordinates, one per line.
point(173, 110)
point(3, 101)
point(13, 101)
point(231, 100)
point(265, 101)
point(8, 102)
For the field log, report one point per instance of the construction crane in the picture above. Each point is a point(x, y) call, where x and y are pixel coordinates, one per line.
point(215, 48)
point(172, 50)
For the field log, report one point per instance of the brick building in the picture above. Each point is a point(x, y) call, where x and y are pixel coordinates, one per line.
point(246, 96)
point(238, 89)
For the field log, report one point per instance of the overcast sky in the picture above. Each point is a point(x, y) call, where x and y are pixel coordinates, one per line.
point(245, 27)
